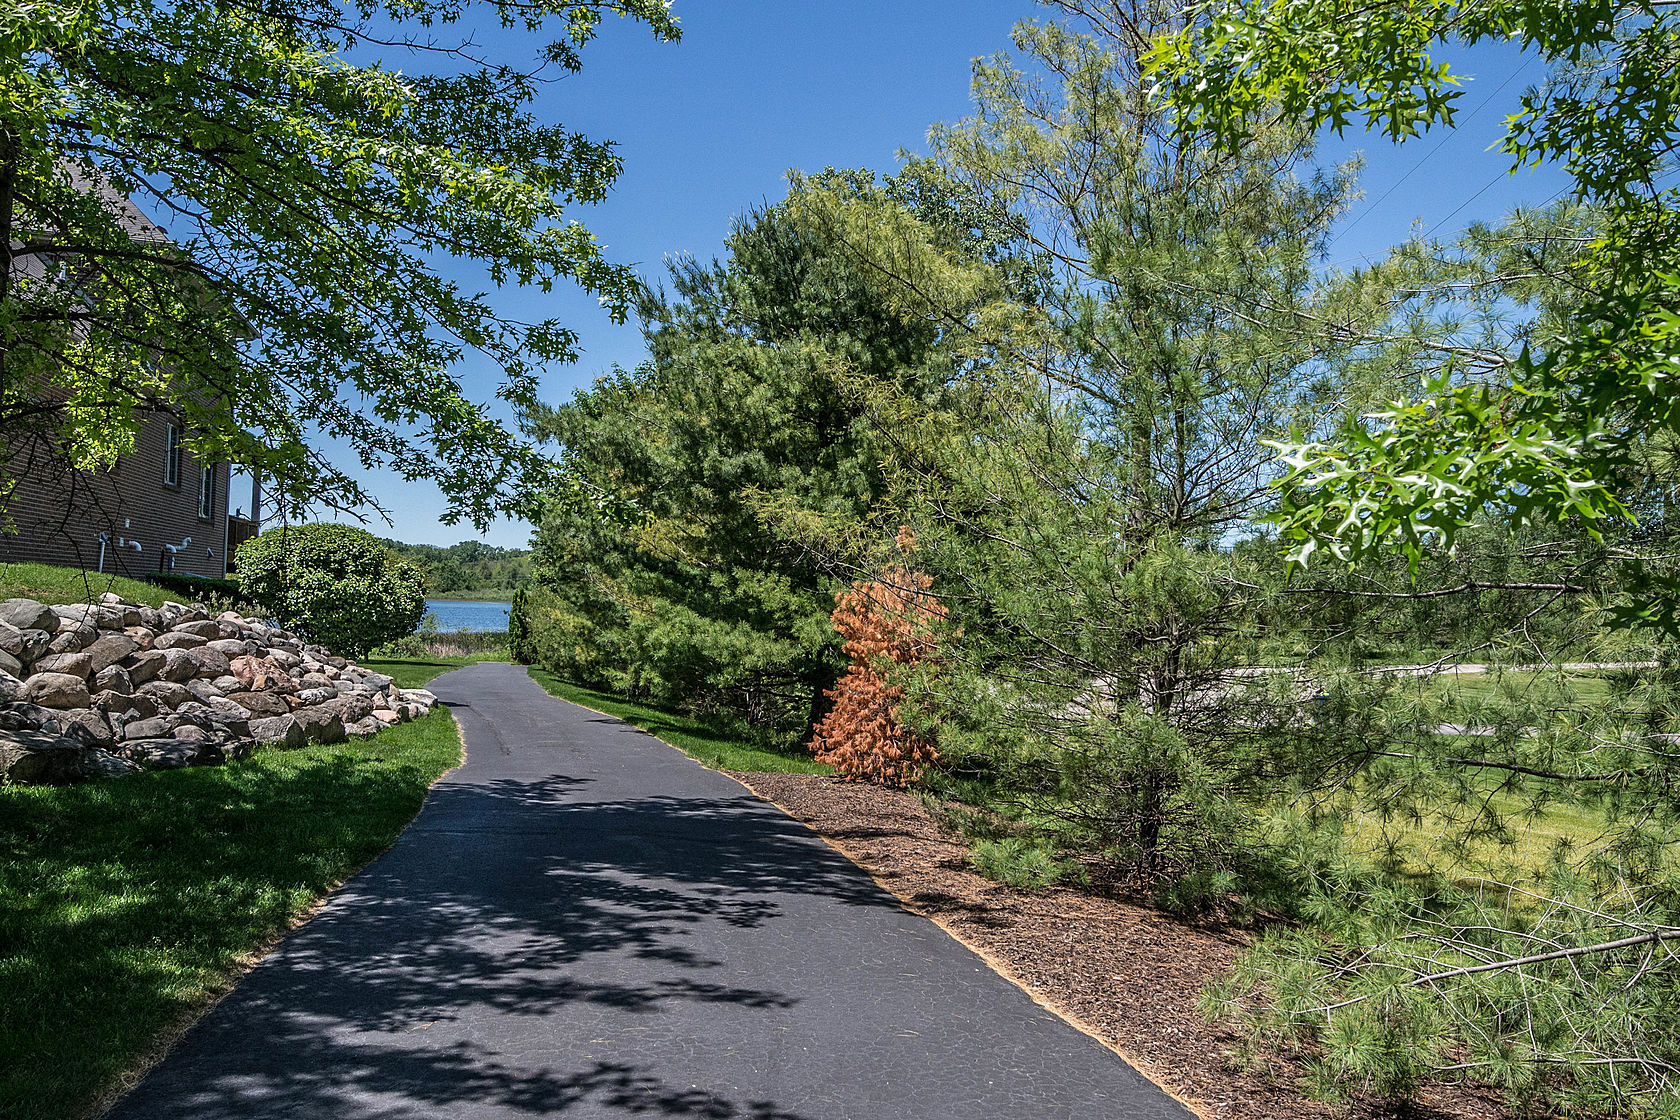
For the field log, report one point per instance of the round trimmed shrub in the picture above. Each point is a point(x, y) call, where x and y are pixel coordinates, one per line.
point(333, 584)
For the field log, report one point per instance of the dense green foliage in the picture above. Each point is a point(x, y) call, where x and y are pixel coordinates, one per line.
point(308, 191)
point(470, 568)
point(126, 907)
point(1064, 351)
point(195, 589)
point(664, 571)
point(1545, 429)
point(1072, 512)
point(1527, 477)
point(335, 584)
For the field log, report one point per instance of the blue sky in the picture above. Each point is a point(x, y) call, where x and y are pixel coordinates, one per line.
point(709, 126)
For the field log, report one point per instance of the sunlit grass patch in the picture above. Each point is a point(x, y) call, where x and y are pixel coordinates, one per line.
point(127, 906)
point(710, 746)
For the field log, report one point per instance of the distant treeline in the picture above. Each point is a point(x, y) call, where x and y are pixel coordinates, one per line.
point(467, 568)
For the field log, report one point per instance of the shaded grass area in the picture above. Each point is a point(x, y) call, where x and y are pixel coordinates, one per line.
point(1589, 688)
point(710, 746)
point(50, 583)
point(127, 906)
point(417, 672)
point(1411, 847)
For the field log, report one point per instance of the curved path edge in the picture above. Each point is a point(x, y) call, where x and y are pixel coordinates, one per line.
point(584, 922)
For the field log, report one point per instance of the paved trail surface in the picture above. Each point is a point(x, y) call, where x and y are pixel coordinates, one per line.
point(584, 923)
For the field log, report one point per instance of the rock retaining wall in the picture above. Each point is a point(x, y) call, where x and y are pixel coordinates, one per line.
point(102, 690)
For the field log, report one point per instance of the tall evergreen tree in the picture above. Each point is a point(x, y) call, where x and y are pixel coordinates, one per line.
point(670, 566)
point(1076, 503)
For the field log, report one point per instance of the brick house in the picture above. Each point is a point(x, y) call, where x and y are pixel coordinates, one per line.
point(156, 509)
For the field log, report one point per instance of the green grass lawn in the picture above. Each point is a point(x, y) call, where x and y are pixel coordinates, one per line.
point(49, 583)
point(706, 745)
point(1591, 688)
point(417, 672)
point(127, 906)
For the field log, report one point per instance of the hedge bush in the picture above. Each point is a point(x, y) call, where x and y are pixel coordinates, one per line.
point(334, 584)
point(198, 588)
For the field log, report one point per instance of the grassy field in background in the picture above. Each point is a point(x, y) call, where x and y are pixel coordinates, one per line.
point(127, 906)
point(1589, 687)
point(49, 583)
point(417, 672)
point(706, 745)
point(1419, 845)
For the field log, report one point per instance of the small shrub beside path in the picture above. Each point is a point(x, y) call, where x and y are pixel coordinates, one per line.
point(1126, 974)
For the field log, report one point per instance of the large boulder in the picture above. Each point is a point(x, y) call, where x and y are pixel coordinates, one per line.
point(229, 726)
point(203, 628)
point(36, 643)
point(88, 726)
point(81, 614)
point(20, 716)
point(11, 689)
point(121, 707)
point(205, 692)
point(284, 731)
point(210, 663)
point(177, 639)
point(55, 690)
point(10, 664)
point(72, 637)
point(168, 694)
point(158, 727)
point(283, 657)
point(102, 764)
point(113, 678)
point(262, 674)
point(234, 647)
point(261, 703)
point(351, 708)
point(320, 725)
point(109, 649)
point(27, 614)
point(145, 665)
point(37, 758)
point(73, 664)
point(164, 754)
point(178, 665)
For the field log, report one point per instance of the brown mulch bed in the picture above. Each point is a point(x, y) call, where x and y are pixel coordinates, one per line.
point(1124, 973)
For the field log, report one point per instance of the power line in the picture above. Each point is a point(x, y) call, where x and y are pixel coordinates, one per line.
point(1500, 178)
point(1450, 133)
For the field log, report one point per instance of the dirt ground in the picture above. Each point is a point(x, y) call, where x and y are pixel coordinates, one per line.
point(1126, 974)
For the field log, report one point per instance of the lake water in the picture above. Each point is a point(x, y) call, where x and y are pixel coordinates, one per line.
point(461, 614)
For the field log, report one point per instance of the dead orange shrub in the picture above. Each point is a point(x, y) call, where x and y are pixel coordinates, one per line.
point(884, 621)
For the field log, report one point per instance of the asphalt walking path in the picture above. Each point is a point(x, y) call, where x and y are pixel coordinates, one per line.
point(583, 922)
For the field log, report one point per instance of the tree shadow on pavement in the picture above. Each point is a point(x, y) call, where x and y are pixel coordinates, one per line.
point(524, 951)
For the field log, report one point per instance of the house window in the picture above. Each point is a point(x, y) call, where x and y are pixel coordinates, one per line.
point(172, 457)
point(206, 492)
